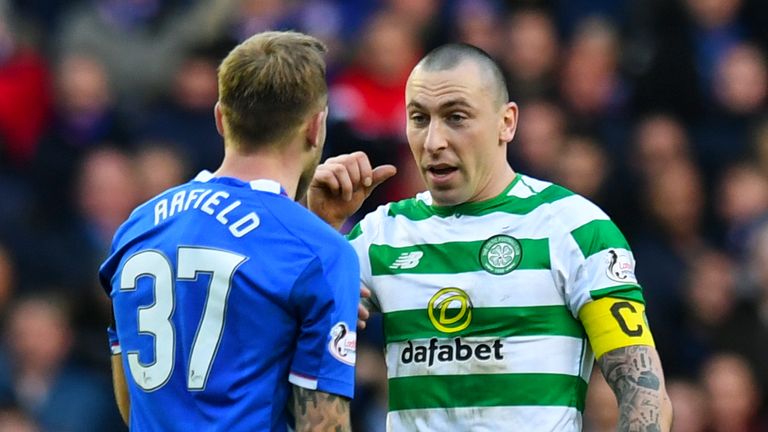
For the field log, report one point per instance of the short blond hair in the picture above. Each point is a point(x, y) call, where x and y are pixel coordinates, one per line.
point(269, 83)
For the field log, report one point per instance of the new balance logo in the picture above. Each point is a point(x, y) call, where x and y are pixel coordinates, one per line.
point(407, 260)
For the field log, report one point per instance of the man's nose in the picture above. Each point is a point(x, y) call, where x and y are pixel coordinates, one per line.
point(435, 140)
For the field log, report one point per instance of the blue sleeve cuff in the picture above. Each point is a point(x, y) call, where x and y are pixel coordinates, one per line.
point(114, 343)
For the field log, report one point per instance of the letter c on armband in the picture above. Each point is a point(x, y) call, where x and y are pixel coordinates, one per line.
point(616, 312)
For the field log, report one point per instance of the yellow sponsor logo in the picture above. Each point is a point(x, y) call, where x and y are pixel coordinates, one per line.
point(450, 310)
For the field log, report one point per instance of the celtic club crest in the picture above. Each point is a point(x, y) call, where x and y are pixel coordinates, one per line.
point(500, 254)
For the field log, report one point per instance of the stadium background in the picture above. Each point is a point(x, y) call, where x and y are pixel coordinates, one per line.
point(654, 109)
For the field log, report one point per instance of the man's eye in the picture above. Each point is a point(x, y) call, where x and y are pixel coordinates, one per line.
point(418, 118)
point(456, 118)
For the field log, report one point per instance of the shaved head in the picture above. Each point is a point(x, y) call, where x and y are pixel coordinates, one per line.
point(449, 56)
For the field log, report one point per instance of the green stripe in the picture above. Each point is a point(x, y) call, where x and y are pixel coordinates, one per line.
point(499, 322)
point(627, 292)
point(598, 235)
point(417, 210)
point(551, 194)
point(355, 232)
point(452, 257)
point(412, 209)
point(522, 206)
point(487, 390)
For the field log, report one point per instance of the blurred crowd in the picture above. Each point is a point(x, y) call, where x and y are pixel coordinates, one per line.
point(657, 110)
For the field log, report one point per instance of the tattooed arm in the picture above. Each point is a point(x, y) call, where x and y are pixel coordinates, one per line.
point(316, 411)
point(634, 373)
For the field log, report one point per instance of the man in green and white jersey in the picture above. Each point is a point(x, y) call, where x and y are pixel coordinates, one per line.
point(498, 290)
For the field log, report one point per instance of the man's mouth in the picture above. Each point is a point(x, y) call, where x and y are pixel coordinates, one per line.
point(441, 169)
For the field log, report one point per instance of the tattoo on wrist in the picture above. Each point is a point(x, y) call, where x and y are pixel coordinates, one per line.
point(634, 375)
point(320, 411)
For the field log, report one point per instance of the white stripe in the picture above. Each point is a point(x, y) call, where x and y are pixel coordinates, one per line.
point(486, 419)
point(266, 185)
point(521, 190)
point(203, 176)
point(575, 211)
point(520, 354)
point(425, 196)
point(561, 216)
point(307, 383)
point(517, 288)
point(360, 245)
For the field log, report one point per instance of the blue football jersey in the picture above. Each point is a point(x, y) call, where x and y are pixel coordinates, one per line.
point(225, 292)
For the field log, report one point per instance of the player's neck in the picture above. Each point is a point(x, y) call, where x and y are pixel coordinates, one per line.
point(496, 184)
point(266, 164)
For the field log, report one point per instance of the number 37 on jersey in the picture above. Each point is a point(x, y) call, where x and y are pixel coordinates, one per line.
point(155, 319)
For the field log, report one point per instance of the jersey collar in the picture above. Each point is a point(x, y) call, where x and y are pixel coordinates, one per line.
point(475, 207)
point(264, 185)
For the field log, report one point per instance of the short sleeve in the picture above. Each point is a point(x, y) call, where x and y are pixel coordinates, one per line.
point(604, 267)
point(360, 238)
point(325, 297)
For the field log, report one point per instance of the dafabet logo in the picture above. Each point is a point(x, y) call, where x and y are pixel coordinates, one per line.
point(450, 312)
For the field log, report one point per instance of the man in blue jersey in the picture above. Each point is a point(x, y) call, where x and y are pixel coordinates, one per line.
point(234, 306)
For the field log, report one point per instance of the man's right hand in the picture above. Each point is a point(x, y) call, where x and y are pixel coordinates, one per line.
point(342, 183)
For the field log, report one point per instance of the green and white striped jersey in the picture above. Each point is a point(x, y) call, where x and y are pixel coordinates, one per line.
point(480, 304)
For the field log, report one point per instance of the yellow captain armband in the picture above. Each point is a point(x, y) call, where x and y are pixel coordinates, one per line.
point(613, 323)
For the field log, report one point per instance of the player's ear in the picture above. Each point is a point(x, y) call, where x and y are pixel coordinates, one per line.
point(316, 128)
point(508, 124)
point(219, 116)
